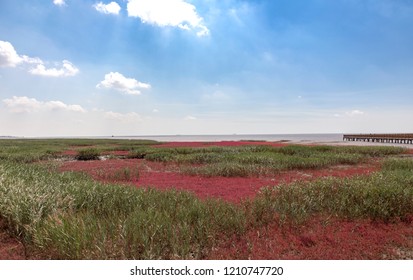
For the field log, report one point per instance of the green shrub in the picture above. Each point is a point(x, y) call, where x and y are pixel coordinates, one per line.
point(88, 154)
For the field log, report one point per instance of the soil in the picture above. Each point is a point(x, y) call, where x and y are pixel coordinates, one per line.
point(10, 247)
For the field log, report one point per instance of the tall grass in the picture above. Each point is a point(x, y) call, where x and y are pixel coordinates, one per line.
point(261, 160)
point(385, 196)
point(395, 164)
point(69, 216)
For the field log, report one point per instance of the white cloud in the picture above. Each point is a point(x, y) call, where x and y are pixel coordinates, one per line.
point(355, 113)
point(8, 55)
point(24, 104)
point(128, 117)
point(68, 69)
point(59, 105)
point(175, 13)
point(155, 111)
point(59, 2)
point(10, 58)
point(117, 81)
point(111, 8)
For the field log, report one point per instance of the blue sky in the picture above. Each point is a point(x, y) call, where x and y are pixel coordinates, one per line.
point(156, 67)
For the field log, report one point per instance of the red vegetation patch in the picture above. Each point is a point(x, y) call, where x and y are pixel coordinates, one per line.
point(166, 176)
point(162, 176)
point(219, 144)
point(331, 239)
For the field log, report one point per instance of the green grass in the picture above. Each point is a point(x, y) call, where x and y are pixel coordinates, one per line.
point(264, 160)
point(259, 160)
point(395, 164)
point(70, 216)
point(385, 196)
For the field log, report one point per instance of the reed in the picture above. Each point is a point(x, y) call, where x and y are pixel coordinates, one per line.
point(70, 216)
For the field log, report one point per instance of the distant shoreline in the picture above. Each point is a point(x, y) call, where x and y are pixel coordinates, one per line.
point(332, 139)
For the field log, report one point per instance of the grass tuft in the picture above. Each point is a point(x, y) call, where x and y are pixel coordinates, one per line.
point(88, 154)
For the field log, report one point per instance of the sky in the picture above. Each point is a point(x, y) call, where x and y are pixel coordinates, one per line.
point(167, 67)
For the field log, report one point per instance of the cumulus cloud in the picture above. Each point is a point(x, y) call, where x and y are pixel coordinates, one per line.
point(111, 8)
point(59, 2)
point(127, 118)
point(68, 69)
point(117, 81)
point(175, 13)
point(24, 104)
point(59, 105)
point(10, 58)
point(8, 55)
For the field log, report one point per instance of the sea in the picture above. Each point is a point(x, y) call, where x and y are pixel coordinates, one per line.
point(328, 137)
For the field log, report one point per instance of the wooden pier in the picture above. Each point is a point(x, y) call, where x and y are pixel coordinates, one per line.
point(380, 138)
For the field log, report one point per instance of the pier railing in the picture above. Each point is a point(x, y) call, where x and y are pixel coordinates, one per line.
point(406, 138)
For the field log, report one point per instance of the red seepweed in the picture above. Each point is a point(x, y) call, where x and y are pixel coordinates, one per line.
point(321, 239)
point(166, 176)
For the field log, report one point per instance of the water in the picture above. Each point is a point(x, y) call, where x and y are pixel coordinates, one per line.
point(330, 137)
